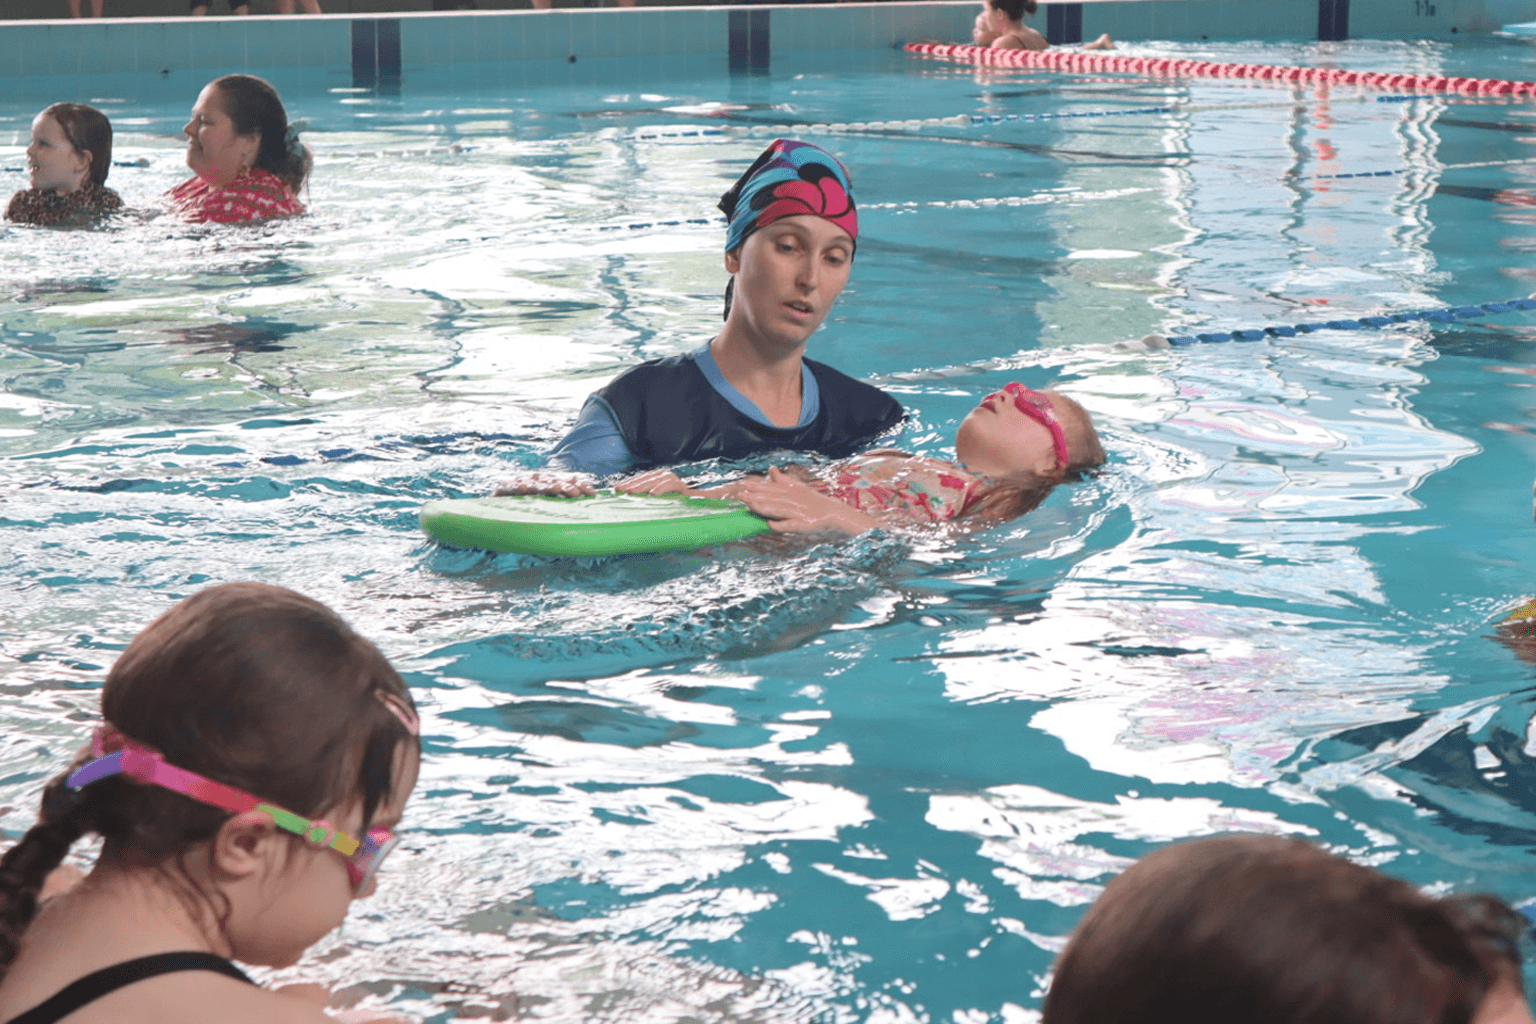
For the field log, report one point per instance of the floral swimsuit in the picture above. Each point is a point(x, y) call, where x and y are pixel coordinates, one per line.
point(925, 490)
point(255, 195)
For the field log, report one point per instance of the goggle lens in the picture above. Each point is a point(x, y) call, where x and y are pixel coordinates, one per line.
point(1038, 408)
point(364, 865)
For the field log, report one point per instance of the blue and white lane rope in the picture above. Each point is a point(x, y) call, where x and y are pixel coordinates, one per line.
point(1404, 170)
point(1448, 315)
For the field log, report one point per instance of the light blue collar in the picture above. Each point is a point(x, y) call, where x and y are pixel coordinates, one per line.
point(810, 394)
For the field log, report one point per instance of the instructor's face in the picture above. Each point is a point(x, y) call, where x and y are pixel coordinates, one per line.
point(788, 275)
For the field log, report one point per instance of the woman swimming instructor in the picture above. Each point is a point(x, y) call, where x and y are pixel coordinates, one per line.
point(789, 246)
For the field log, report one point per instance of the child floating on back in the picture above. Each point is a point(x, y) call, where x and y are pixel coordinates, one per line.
point(67, 160)
point(253, 758)
point(1011, 450)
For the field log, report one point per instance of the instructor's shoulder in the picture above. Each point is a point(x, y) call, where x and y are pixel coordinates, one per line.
point(651, 373)
point(837, 386)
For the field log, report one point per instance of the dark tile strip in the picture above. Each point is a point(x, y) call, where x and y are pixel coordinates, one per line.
point(748, 35)
point(1503, 196)
point(1063, 24)
point(365, 55)
point(389, 51)
point(1492, 126)
point(1332, 20)
point(761, 23)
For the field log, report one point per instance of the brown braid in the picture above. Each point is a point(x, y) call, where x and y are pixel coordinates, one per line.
point(65, 816)
point(247, 684)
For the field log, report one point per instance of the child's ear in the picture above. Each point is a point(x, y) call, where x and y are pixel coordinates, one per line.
point(244, 844)
point(1045, 465)
point(733, 261)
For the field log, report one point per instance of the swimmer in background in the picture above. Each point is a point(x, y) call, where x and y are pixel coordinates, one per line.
point(1010, 450)
point(1000, 26)
point(790, 240)
point(68, 160)
point(1267, 930)
point(239, 695)
point(247, 157)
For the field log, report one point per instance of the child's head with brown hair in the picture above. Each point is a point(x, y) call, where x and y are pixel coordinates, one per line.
point(70, 148)
point(256, 110)
point(1267, 930)
point(1016, 10)
point(257, 692)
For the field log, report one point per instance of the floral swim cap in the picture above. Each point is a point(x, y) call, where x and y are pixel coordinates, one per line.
point(789, 178)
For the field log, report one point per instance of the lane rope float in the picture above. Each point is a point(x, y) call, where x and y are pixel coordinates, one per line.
point(1098, 62)
point(1405, 170)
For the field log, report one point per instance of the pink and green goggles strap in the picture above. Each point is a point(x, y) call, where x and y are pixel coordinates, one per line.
point(147, 767)
point(318, 833)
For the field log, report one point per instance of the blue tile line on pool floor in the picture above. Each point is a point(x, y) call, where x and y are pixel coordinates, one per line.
point(966, 120)
point(1448, 315)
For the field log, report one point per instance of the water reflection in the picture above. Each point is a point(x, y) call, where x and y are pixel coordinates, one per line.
point(873, 780)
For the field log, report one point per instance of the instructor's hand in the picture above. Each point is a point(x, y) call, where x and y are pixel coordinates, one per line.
point(656, 481)
point(793, 506)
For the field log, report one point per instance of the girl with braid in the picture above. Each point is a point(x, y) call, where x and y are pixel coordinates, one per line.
point(253, 758)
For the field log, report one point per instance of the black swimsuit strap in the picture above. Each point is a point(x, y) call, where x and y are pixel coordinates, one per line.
point(109, 979)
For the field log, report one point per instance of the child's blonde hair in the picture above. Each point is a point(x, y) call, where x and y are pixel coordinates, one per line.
point(1022, 492)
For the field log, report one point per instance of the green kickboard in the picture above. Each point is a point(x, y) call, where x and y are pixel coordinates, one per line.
point(602, 524)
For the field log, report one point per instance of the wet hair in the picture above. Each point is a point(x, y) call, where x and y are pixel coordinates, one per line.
point(1022, 492)
point(1015, 9)
point(89, 131)
point(1277, 931)
point(255, 108)
point(251, 685)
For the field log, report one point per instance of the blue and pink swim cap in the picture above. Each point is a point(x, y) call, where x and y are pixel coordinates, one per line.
point(790, 178)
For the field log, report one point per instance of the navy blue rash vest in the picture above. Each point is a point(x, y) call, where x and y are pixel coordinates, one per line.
point(669, 413)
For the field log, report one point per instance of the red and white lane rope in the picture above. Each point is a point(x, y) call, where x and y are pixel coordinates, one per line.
point(1100, 62)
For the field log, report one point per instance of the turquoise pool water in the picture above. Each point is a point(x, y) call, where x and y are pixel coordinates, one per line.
point(873, 780)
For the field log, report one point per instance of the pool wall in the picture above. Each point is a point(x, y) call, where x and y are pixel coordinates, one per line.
point(746, 37)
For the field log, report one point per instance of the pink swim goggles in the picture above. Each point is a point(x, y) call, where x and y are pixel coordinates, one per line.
point(145, 766)
point(1037, 407)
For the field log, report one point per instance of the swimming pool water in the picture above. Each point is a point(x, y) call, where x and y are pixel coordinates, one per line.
point(869, 780)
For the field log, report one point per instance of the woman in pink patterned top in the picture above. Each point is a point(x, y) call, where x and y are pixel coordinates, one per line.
point(248, 159)
point(1010, 451)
